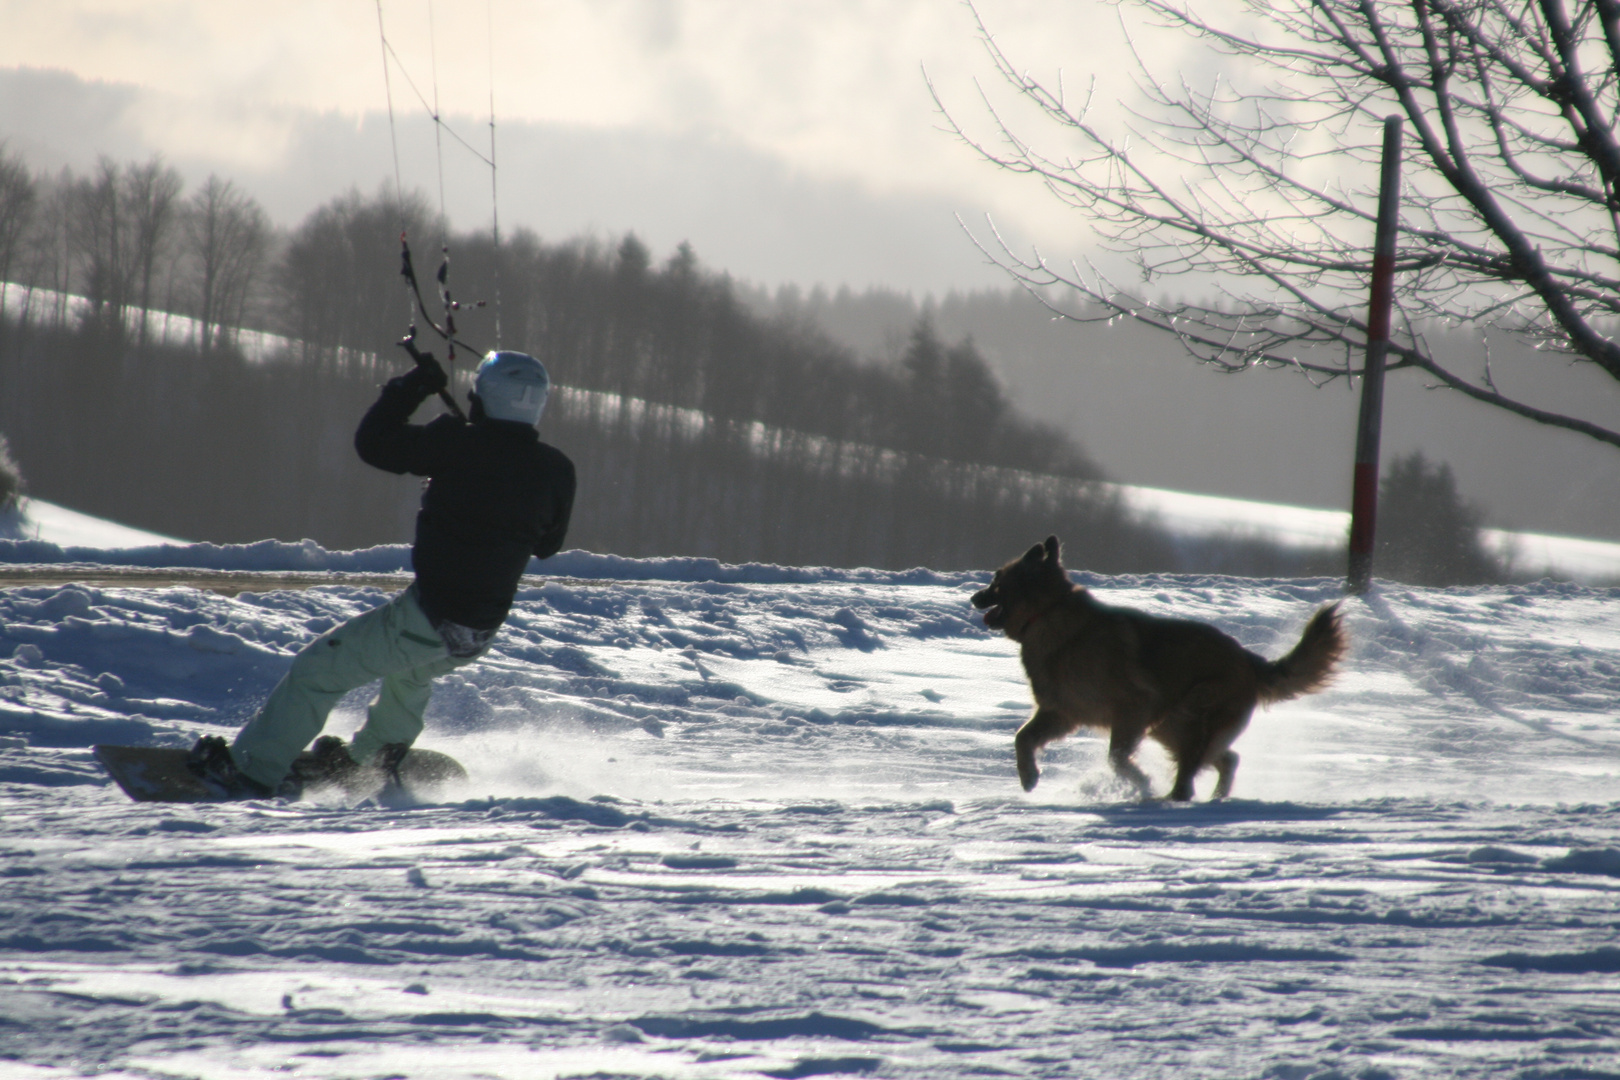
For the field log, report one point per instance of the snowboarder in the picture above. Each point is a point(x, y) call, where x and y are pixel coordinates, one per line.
point(496, 495)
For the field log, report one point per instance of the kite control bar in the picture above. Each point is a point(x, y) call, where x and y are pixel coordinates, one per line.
point(408, 343)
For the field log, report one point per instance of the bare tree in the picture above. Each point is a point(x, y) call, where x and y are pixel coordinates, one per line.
point(18, 198)
point(339, 275)
point(44, 255)
point(97, 237)
point(150, 194)
point(1261, 188)
point(119, 225)
point(228, 234)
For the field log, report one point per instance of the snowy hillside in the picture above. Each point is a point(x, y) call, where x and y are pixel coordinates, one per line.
point(36, 519)
point(1187, 514)
point(1184, 514)
point(763, 821)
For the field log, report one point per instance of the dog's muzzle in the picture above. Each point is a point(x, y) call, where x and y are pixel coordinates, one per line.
point(995, 617)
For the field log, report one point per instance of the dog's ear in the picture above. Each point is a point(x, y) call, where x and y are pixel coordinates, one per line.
point(1052, 547)
point(1035, 554)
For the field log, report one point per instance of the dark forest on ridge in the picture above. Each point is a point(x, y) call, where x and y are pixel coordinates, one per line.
point(699, 426)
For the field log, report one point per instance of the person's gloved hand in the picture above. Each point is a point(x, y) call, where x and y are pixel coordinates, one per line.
point(426, 378)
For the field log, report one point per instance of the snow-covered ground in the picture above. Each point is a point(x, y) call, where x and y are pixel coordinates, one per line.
point(36, 519)
point(763, 822)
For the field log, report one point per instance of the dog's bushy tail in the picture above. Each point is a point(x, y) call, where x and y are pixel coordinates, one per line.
point(1309, 667)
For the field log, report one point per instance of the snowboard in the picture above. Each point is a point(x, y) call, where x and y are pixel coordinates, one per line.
point(159, 774)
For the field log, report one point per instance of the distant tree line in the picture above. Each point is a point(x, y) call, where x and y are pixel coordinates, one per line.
point(1428, 533)
point(126, 240)
point(700, 426)
point(604, 318)
point(225, 449)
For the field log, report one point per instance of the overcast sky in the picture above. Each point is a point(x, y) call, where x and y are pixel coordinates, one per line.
point(793, 140)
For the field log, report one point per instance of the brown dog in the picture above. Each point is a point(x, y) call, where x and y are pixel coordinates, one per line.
point(1185, 683)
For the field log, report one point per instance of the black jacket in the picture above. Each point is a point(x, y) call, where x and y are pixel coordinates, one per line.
point(496, 496)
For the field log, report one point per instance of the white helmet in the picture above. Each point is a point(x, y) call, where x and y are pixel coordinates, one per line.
point(512, 386)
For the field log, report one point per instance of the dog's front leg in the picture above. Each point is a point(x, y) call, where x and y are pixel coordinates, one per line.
point(1040, 729)
point(1123, 739)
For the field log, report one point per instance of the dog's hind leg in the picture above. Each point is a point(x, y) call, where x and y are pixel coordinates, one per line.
point(1186, 769)
point(1221, 755)
point(1226, 766)
point(1208, 741)
point(1187, 737)
point(1038, 730)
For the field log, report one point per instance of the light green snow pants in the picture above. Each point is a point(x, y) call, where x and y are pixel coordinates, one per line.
point(395, 643)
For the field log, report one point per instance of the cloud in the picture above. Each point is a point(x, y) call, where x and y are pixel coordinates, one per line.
point(744, 211)
point(790, 141)
point(831, 88)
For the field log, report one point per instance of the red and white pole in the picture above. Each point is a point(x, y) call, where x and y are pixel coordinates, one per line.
point(1364, 494)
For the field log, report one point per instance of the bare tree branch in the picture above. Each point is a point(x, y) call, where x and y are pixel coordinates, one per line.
point(1511, 202)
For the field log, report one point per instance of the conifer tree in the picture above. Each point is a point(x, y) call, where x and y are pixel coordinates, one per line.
point(1428, 534)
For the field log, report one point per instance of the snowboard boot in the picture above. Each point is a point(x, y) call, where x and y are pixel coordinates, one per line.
point(210, 761)
point(325, 764)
